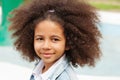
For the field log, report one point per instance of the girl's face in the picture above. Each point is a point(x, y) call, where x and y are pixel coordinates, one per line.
point(49, 41)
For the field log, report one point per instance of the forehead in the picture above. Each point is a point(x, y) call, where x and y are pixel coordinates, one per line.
point(48, 26)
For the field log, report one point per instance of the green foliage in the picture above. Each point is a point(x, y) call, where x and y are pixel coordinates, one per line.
point(104, 6)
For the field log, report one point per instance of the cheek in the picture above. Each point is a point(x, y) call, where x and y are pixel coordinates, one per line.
point(36, 47)
point(60, 47)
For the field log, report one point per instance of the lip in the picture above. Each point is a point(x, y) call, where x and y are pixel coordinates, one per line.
point(47, 55)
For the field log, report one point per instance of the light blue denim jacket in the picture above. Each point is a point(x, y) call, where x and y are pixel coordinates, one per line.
point(64, 72)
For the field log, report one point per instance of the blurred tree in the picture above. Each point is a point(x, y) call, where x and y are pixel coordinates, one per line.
point(7, 6)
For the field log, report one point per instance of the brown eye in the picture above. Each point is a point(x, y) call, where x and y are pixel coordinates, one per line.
point(39, 39)
point(55, 39)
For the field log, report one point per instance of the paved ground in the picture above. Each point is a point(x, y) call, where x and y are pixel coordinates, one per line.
point(109, 17)
point(14, 72)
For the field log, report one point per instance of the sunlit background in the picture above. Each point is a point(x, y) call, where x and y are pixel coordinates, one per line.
point(14, 67)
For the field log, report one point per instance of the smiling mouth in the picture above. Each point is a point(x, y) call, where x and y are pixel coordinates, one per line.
point(47, 55)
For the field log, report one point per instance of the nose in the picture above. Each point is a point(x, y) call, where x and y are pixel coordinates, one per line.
point(46, 45)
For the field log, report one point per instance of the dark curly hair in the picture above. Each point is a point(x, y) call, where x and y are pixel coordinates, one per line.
point(78, 18)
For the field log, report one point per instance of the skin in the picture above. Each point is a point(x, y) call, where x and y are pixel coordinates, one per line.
point(49, 42)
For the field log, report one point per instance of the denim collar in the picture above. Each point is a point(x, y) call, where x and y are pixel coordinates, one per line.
point(60, 69)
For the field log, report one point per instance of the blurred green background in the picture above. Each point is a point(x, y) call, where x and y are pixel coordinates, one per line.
point(8, 5)
point(107, 5)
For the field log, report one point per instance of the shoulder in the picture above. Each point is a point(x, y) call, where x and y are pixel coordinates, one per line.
point(68, 74)
point(63, 76)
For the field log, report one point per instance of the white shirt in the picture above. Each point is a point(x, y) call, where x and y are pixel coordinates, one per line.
point(37, 72)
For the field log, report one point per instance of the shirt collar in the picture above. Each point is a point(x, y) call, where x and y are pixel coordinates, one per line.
point(37, 72)
point(38, 69)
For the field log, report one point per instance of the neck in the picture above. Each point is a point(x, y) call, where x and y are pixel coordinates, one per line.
point(46, 67)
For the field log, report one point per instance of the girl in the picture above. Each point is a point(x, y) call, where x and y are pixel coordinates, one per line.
point(59, 34)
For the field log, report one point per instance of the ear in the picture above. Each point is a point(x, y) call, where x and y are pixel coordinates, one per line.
point(67, 48)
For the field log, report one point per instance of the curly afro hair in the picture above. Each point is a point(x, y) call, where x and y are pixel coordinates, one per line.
point(78, 19)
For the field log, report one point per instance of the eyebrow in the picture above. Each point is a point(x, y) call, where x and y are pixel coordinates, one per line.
point(50, 36)
point(38, 36)
point(56, 36)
